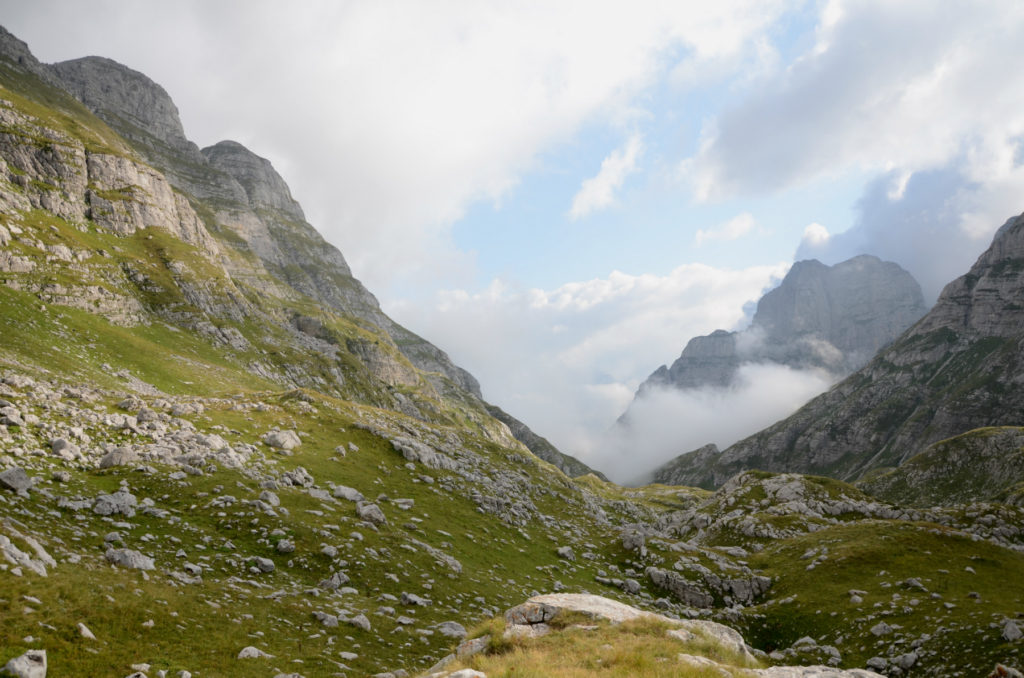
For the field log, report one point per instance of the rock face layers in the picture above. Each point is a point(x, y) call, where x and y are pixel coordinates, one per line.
point(125, 166)
point(960, 368)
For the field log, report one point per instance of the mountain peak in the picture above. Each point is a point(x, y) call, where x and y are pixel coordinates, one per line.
point(126, 99)
point(263, 186)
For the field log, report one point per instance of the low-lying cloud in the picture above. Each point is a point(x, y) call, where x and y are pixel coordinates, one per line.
point(567, 361)
point(667, 422)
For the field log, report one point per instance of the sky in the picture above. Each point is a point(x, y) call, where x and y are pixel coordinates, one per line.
point(561, 194)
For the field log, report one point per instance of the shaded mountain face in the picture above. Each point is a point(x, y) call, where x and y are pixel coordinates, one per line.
point(832, 318)
point(825, 320)
point(960, 368)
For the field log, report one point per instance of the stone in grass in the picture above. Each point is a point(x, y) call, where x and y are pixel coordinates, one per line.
point(360, 621)
point(334, 582)
point(371, 513)
point(119, 456)
point(282, 440)
point(1011, 632)
point(467, 673)
point(452, 629)
point(264, 564)
point(129, 558)
point(84, 631)
point(349, 493)
point(32, 664)
point(15, 480)
point(251, 652)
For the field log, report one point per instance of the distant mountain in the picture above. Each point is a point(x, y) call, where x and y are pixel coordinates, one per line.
point(829, 317)
point(826, 318)
point(961, 367)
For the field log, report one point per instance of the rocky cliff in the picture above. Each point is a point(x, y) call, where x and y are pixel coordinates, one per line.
point(132, 167)
point(960, 368)
point(826, 317)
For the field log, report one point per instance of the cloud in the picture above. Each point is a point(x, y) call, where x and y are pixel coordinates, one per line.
point(936, 227)
point(389, 119)
point(598, 192)
point(735, 228)
point(815, 235)
point(886, 87)
point(568, 360)
point(668, 422)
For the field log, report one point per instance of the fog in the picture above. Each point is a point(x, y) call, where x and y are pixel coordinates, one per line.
point(668, 422)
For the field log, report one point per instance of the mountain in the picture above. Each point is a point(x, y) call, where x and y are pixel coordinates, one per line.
point(219, 457)
point(832, 318)
point(959, 368)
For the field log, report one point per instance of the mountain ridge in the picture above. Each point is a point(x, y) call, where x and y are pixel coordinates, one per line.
point(959, 368)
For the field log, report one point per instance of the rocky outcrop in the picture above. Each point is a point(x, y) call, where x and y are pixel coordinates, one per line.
point(960, 368)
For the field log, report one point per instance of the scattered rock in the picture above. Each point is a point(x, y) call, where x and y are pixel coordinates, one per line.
point(129, 558)
point(15, 480)
point(282, 440)
point(251, 652)
point(32, 664)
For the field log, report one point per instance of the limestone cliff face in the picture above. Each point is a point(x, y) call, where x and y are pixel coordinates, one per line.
point(125, 165)
point(248, 199)
point(960, 368)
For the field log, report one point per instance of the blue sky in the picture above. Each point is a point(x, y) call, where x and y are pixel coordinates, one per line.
point(562, 194)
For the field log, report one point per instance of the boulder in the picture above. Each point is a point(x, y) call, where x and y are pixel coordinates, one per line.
point(282, 440)
point(129, 558)
point(32, 664)
point(15, 480)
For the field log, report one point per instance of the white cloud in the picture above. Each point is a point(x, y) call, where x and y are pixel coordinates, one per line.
point(598, 192)
point(887, 87)
point(388, 119)
point(815, 235)
point(735, 228)
point(568, 360)
point(669, 422)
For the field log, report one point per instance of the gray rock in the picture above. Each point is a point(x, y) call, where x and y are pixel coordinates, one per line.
point(906, 661)
point(351, 494)
point(1011, 632)
point(15, 480)
point(119, 456)
point(121, 502)
point(32, 664)
point(566, 552)
point(451, 629)
point(282, 440)
point(285, 546)
point(371, 513)
point(360, 621)
point(264, 564)
point(251, 652)
point(413, 599)
point(877, 663)
point(334, 582)
point(881, 629)
point(129, 558)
